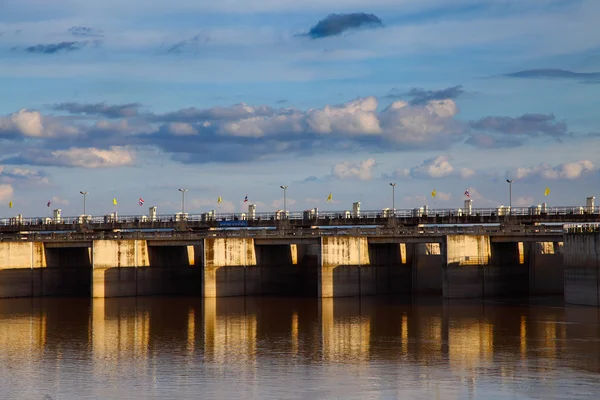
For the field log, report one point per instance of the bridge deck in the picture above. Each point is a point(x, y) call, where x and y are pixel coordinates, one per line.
point(522, 216)
point(272, 236)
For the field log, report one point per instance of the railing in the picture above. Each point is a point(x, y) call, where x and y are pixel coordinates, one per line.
point(365, 216)
point(593, 227)
point(292, 232)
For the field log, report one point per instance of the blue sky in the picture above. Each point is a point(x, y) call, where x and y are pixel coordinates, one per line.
point(136, 99)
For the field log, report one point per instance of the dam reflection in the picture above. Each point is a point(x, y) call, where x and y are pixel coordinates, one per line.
point(431, 341)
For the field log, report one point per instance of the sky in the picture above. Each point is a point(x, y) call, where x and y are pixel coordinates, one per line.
point(137, 99)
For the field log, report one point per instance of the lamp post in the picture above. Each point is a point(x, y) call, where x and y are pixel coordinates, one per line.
point(510, 182)
point(84, 194)
point(393, 185)
point(182, 201)
point(284, 200)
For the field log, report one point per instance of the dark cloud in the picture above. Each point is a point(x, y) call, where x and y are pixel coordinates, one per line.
point(108, 111)
point(549, 73)
point(191, 43)
point(422, 96)
point(23, 177)
point(336, 24)
point(527, 124)
point(310, 179)
point(485, 141)
point(60, 47)
point(84, 31)
point(282, 101)
point(235, 112)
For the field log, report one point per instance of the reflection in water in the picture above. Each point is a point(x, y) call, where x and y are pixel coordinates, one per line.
point(268, 348)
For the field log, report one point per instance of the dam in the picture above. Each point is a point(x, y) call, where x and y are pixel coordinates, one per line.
point(451, 262)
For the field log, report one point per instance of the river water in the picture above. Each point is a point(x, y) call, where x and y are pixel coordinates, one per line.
point(288, 348)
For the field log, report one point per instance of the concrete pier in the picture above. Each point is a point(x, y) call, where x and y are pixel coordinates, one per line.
point(326, 266)
point(581, 259)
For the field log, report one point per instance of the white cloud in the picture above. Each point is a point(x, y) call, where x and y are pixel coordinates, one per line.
point(356, 117)
point(362, 170)
point(91, 157)
point(401, 124)
point(278, 204)
point(58, 201)
point(523, 201)
point(443, 196)
point(312, 202)
point(6, 192)
point(23, 176)
point(466, 173)
point(24, 122)
point(436, 168)
point(566, 171)
point(205, 204)
point(400, 173)
point(32, 124)
point(181, 129)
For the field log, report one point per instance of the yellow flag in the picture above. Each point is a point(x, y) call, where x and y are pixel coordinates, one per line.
point(219, 200)
point(547, 191)
point(10, 205)
point(115, 201)
point(433, 193)
point(329, 197)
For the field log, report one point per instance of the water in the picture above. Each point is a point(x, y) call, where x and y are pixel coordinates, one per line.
point(274, 348)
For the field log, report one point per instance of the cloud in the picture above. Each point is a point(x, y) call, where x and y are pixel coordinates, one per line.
point(77, 157)
point(336, 24)
point(6, 192)
point(523, 201)
point(549, 73)
point(193, 42)
point(278, 203)
point(25, 122)
point(362, 170)
point(109, 111)
point(312, 202)
point(64, 47)
point(84, 31)
point(439, 167)
point(232, 113)
point(242, 132)
point(564, 171)
point(506, 132)
point(58, 201)
point(31, 124)
point(443, 196)
point(421, 96)
point(226, 206)
point(486, 141)
point(23, 177)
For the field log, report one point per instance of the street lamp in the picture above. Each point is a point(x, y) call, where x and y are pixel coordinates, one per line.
point(284, 200)
point(393, 185)
point(183, 201)
point(510, 182)
point(84, 194)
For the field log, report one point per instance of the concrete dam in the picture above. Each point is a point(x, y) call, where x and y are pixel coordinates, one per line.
point(458, 262)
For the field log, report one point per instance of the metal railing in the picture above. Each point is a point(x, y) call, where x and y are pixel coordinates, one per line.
point(364, 216)
point(588, 227)
point(519, 230)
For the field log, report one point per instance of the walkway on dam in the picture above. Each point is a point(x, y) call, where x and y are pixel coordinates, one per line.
point(280, 219)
